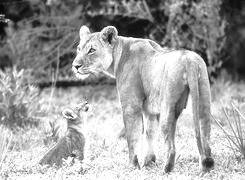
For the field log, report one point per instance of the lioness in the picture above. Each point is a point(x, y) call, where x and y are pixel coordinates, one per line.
point(153, 83)
point(73, 142)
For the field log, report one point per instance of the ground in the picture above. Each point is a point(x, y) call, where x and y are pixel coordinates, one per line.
point(107, 155)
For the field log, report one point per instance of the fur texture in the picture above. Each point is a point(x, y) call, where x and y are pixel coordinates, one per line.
point(153, 85)
point(73, 143)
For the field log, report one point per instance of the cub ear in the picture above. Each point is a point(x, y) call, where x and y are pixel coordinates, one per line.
point(69, 114)
point(84, 30)
point(109, 35)
point(87, 107)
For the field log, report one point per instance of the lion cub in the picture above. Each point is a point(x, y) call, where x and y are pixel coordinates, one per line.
point(73, 142)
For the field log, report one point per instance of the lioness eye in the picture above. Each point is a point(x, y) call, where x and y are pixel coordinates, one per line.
point(91, 50)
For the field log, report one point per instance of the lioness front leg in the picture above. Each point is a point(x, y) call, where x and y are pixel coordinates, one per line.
point(133, 121)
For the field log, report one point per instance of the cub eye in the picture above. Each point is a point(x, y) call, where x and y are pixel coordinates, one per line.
point(78, 48)
point(91, 50)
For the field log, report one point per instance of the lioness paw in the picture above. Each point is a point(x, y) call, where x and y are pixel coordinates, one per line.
point(150, 160)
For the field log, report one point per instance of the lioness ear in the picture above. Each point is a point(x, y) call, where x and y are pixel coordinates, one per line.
point(84, 30)
point(109, 35)
point(69, 114)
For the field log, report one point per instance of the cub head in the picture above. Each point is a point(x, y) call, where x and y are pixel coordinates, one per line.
point(73, 114)
point(94, 52)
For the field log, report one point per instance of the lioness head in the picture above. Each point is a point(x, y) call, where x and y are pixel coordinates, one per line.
point(94, 52)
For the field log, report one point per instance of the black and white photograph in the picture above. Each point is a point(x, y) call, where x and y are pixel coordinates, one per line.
point(122, 89)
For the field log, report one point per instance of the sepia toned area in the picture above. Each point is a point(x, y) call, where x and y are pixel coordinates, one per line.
point(38, 45)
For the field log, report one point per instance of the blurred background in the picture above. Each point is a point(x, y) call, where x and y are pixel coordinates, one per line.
point(42, 34)
point(38, 42)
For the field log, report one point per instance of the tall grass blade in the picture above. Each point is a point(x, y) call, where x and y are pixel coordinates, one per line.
point(239, 123)
point(238, 111)
point(235, 138)
point(240, 128)
point(231, 127)
point(229, 146)
point(5, 143)
point(236, 120)
point(225, 132)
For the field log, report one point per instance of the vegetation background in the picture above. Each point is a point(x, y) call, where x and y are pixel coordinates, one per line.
point(38, 45)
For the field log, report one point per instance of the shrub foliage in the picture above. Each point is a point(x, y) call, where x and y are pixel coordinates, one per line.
point(19, 102)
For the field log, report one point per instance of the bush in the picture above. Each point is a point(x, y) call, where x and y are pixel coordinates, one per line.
point(46, 39)
point(197, 26)
point(19, 102)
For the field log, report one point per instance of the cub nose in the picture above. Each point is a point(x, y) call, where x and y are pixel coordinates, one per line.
point(77, 66)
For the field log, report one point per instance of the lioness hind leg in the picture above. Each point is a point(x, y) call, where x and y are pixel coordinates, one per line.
point(168, 126)
point(152, 127)
point(206, 161)
point(168, 119)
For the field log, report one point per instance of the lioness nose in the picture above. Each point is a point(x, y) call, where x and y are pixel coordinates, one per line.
point(77, 66)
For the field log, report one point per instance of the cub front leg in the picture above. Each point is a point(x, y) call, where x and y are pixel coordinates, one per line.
point(133, 121)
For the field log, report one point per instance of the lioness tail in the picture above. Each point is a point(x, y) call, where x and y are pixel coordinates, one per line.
point(192, 79)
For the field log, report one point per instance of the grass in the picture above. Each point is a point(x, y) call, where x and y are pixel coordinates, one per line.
point(5, 140)
point(234, 133)
point(107, 156)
